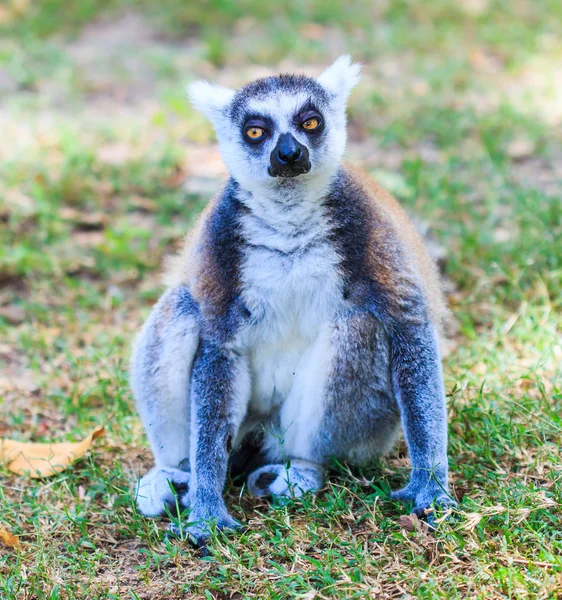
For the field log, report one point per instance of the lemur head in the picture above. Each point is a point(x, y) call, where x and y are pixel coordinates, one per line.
point(286, 130)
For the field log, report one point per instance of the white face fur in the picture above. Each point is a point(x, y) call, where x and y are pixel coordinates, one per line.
point(311, 110)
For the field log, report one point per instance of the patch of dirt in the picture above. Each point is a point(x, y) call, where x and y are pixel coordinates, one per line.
point(110, 36)
point(113, 57)
point(543, 174)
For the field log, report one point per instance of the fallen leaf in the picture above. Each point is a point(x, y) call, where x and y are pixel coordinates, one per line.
point(13, 10)
point(86, 221)
point(313, 31)
point(474, 7)
point(116, 154)
point(88, 239)
point(422, 534)
point(176, 179)
point(143, 203)
point(15, 315)
point(44, 460)
point(5, 15)
point(412, 522)
point(408, 522)
point(520, 148)
point(8, 538)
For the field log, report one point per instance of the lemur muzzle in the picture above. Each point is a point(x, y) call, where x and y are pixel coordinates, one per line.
point(289, 157)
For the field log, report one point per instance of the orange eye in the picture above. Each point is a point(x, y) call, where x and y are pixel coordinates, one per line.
point(310, 124)
point(254, 133)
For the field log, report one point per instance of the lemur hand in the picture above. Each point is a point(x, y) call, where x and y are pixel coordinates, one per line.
point(201, 522)
point(425, 495)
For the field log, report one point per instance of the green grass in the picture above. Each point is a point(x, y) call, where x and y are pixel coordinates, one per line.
point(458, 114)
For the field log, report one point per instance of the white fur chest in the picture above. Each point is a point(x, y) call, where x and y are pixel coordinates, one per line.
point(292, 286)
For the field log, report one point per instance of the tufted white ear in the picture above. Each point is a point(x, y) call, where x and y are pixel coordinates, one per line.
point(341, 77)
point(210, 99)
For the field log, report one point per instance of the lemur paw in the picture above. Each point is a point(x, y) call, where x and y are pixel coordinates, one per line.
point(155, 491)
point(200, 525)
point(426, 498)
point(287, 481)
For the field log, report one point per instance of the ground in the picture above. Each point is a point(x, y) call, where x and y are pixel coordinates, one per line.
point(103, 167)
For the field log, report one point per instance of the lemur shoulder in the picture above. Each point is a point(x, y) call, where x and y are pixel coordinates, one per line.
point(301, 320)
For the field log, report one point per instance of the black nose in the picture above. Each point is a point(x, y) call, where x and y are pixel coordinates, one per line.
point(288, 149)
point(289, 157)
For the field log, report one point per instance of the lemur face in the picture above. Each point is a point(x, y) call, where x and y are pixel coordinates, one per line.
point(287, 130)
point(284, 129)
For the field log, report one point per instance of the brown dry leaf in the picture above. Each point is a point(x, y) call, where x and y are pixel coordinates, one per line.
point(85, 220)
point(413, 523)
point(143, 203)
point(520, 148)
point(408, 522)
point(422, 534)
point(14, 9)
point(15, 315)
point(44, 460)
point(313, 31)
point(116, 154)
point(8, 538)
point(176, 179)
point(474, 8)
point(88, 239)
point(5, 15)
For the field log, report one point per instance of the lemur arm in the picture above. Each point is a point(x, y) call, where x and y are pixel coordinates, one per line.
point(219, 397)
point(418, 385)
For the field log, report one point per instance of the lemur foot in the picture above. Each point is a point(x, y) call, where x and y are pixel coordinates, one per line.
point(290, 481)
point(201, 523)
point(154, 492)
point(425, 496)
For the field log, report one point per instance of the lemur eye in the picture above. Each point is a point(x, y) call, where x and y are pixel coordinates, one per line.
point(310, 124)
point(254, 133)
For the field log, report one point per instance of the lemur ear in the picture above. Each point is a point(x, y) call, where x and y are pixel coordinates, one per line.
point(341, 77)
point(210, 99)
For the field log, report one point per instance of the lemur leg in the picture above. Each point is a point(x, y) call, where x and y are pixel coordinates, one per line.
point(160, 379)
point(341, 405)
point(219, 398)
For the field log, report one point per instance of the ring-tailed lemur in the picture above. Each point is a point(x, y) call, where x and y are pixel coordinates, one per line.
point(301, 319)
